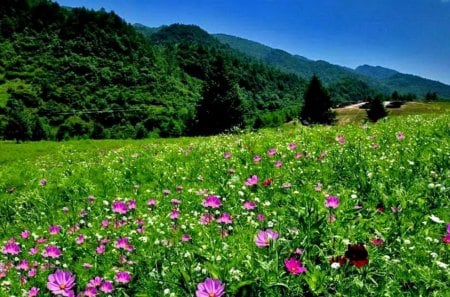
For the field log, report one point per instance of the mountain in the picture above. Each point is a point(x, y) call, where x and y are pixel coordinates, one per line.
point(79, 73)
point(381, 79)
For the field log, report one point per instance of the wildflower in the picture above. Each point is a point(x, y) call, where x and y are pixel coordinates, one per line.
point(249, 205)
point(23, 265)
point(123, 277)
point(252, 181)
point(119, 207)
point(91, 198)
point(337, 261)
point(294, 266)
point(380, 207)
point(278, 164)
point(357, 255)
point(446, 238)
point(32, 272)
point(400, 136)
point(151, 202)
point(292, 146)
point(298, 155)
point(212, 202)
point(340, 139)
point(448, 228)
point(175, 201)
point(206, 218)
point(225, 218)
point(105, 223)
point(436, 219)
point(33, 292)
point(186, 237)
point(80, 239)
point(227, 155)
point(61, 283)
point(286, 185)
point(87, 265)
point(377, 241)
point(318, 187)
point(11, 248)
point(256, 158)
point(132, 204)
point(210, 288)
point(332, 202)
point(331, 218)
point(264, 238)
point(260, 217)
point(25, 234)
point(267, 182)
point(90, 292)
point(43, 182)
point(52, 251)
point(271, 152)
point(100, 249)
point(175, 214)
point(107, 287)
point(95, 282)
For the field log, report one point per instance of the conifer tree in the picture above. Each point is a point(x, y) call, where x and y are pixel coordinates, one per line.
point(316, 104)
point(376, 110)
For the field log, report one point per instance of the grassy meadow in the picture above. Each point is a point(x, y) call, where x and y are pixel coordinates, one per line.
point(349, 210)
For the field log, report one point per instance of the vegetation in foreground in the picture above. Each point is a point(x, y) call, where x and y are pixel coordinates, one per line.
point(323, 211)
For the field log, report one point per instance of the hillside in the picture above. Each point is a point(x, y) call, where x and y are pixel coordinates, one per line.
point(386, 80)
point(79, 73)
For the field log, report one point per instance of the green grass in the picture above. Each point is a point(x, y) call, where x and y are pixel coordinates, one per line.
point(372, 168)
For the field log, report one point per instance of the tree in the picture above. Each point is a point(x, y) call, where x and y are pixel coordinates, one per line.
point(431, 96)
point(316, 104)
point(376, 110)
point(221, 107)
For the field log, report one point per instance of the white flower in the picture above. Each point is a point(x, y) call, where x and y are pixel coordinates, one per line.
point(335, 265)
point(436, 219)
point(441, 264)
point(166, 291)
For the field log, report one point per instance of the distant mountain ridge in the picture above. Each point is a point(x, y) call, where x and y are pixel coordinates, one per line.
point(381, 78)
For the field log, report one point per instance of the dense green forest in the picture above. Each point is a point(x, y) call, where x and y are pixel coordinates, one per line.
point(82, 73)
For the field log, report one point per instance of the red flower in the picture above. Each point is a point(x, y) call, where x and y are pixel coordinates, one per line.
point(267, 182)
point(357, 255)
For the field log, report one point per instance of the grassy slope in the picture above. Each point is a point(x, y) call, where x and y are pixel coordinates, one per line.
point(345, 115)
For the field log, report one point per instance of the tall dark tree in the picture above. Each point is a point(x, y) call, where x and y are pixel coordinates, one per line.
point(376, 110)
point(221, 107)
point(316, 104)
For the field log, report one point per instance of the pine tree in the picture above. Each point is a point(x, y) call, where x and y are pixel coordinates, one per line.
point(221, 107)
point(316, 104)
point(376, 110)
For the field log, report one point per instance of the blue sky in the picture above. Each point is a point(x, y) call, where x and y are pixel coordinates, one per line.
point(411, 36)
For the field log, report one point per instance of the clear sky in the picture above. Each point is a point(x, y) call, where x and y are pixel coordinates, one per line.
point(411, 36)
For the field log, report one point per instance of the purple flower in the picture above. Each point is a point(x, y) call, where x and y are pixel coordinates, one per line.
point(225, 218)
point(61, 283)
point(264, 238)
point(11, 248)
point(252, 181)
point(95, 282)
point(332, 202)
point(43, 182)
point(33, 292)
point(90, 292)
point(278, 163)
point(400, 136)
point(448, 228)
point(25, 234)
point(206, 218)
point(271, 152)
point(256, 158)
point(186, 237)
point(119, 207)
point(52, 251)
point(294, 266)
point(212, 202)
point(227, 155)
point(123, 277)
point(175, 214)
point(107, 287)
point(132, 204)
point(249, 205)
point(292, 146)
point(210, 288)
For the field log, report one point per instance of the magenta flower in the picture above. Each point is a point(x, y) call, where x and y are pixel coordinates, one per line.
point(252, 181)
point(100, 249)
point(227, 155)
point(124, 244)
point(292, 146)
point(186, 237)
point(175, 214)
point(90, 292)
point(332, 202)
point(53, 230)
point(264, 238)
point(448, 228)
point(107, 287)
point(151, 202)
point(52, 251)
point(212, 202)
point(249, 205)
point(225, 218)
point(446, 238)
point(80, 239)
point(271, 152)
point(206, 218)
point(210, 288)
point(132, 204)
point(260, 217)
point(11, 248)
point(123, 277)
point(25, 234)
point(256, 158)
point(278, 163)
point(61, 283)
point(23, 265)
point(119, 207)
point(33, 292)
point(95, 282)
point(294, 266)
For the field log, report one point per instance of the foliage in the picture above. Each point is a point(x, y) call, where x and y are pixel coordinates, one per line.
point(317, 104)
point(376, 109)
point(392, 191)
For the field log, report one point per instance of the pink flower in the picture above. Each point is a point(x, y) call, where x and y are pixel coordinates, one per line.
point(105, 223)
point(91, 198)
point(186, 237)
point(151, 202)
point(292, 146)
point(212, 202)
point(294, 266)
point(332, 202)
point(252, 181)
point(11, 248)
point(260, 217)
point(448, 228)
point(400, 136)
point(107, 287)
point(446, 238)
point(124, 243)
point(90, 292)
point(225, 218)
point(43, 182)
point(340, 139)
point(249, 205)
point(23, 265)
point(53, 230)
point(318, 187)
point(32, 272)
point(33, 251)
point(175, 201)
point(25, 234)
point(52, 251)
point(256, 158)
point(119, 207)
point(210, 288)
point(80, 239)
point(271, 152)
point(264, 238)
point(377, 241)
point(61, 283)
point(206, 218)
point(33, 292)
point(278, 164)
point(123, 277)
point(100, 249)
point(175, 214)
point(132, 204)
point(298, 155)
point(227, 155)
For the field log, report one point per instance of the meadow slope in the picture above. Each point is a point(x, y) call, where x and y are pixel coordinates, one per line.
point(269, 213)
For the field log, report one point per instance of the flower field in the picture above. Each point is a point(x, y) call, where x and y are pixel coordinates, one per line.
point(325, 211)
